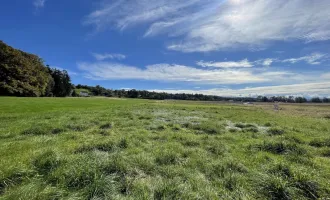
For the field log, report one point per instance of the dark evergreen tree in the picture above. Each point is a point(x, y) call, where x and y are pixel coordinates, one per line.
point(62, 83)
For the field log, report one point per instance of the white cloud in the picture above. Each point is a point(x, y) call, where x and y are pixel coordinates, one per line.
point(125, 13)
point(326, 76)
point(181, 73)
point(209, 25)
point(307, 89)
point(267, 62)
point(106, 56)
point(39, 3)
point(242, 63)
point(313, 59)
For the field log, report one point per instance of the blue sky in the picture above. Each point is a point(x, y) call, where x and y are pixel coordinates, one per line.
point(218, 47)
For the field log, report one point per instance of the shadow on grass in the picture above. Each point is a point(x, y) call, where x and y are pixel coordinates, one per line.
point(105, 146)
point(281, 148)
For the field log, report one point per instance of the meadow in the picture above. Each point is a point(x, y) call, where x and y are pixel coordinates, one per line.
point(103, 148)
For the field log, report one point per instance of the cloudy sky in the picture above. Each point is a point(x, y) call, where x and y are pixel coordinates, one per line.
point(219, 47)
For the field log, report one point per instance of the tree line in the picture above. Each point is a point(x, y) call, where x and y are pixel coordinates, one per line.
point(25, 75)
point(292, 99)
point(144, 94)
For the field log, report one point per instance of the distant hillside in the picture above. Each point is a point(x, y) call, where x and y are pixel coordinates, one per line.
point(24, 74)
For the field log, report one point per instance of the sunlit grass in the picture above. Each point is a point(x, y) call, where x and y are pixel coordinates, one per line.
point(99, 148)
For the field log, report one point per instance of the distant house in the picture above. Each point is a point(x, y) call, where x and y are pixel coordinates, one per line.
point(84, 94)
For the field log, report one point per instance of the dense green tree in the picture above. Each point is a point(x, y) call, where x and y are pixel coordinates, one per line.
point(300, 100)
point(22, 74)
point(62, 83)
point(316, 100)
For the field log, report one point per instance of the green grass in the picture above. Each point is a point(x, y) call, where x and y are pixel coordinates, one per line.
point(102, 148)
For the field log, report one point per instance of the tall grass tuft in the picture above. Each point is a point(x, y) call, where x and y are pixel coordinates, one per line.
point(46, 162)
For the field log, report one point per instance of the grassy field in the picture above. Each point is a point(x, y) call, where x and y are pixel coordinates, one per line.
point(101, 148)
